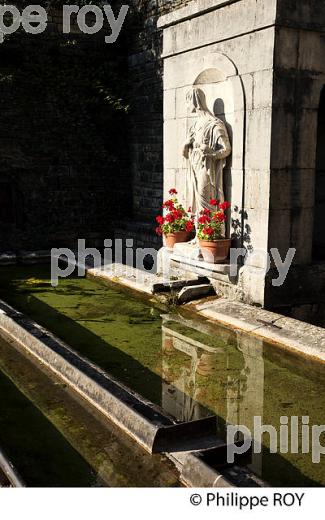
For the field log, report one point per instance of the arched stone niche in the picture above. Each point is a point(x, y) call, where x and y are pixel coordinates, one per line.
point(225, 99)
point(218, 77)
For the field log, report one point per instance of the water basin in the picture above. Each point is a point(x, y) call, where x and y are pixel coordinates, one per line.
point(187, 366)
point(54, 440)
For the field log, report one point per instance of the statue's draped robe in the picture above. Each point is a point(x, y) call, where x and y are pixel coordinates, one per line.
point(205, 175)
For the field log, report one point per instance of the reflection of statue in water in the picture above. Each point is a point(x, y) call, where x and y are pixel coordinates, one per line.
point(207, 148)
point(200, 379)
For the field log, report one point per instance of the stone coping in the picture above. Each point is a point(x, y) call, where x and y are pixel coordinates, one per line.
point(144, 281)
point(24, 257)
point(294, 335)
point(297, 336)
point(195, 8)
point(127, 276)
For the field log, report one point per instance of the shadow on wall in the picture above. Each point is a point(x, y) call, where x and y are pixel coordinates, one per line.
point(241, 233)
point(219, 111)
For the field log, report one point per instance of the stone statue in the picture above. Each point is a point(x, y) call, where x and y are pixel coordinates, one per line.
point(207, 147)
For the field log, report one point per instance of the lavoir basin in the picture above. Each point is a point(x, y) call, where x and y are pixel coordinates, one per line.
point(188, 367)
point(52, 439)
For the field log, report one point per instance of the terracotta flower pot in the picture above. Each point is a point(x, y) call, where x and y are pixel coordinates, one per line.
point(216, 251)
point(175, 238)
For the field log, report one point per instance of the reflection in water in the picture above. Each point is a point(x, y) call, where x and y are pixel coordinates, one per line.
point(193, 368)
point(211, 370)
point(53, 439)
point(200, 379)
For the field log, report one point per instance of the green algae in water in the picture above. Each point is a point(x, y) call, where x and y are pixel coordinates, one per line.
point(39, 452)
point(53, 440)
point(188, 368)
point(120, 334)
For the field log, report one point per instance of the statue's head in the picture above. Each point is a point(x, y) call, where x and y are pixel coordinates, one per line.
point(196, 100)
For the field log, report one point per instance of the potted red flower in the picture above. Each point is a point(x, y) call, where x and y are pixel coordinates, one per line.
point(214, 247)
point(177, 224)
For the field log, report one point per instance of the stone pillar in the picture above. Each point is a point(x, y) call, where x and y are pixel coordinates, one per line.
point(261, 66)
point(299, 77)
point(226, 49)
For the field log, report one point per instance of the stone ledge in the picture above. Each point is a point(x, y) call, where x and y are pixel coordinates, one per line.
point(187, 257)
point(289, 333)
point(144, 281)
point(199, 266)
point(128, 276)
point(25, 257)
point(8, 258)
point(237, 314)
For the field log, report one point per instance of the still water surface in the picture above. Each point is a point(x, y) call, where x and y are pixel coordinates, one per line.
point(187, 366)
point(54, 441)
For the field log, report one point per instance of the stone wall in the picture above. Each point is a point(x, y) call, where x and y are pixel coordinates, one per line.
point(228, 51)
point(145, 123)
point(299, 76)
point(265, 60)
point(53, 191)
point(297, 185)
point(146, 127)
point(63, 166)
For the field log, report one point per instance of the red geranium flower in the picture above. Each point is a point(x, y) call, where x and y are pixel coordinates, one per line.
point(224, 206)
point(177, 214)
point(221, 217)
point(204, 219)
point(159, 231)
point(205, 211)
point(211, 221)
point(175, 218)
point(208, 231)
point(170, 218)
point(169, 204)
point(189, 226)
